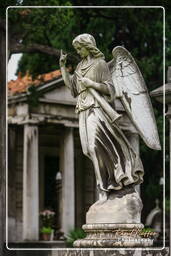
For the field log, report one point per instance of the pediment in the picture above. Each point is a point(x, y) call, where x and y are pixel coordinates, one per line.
point(58, 93)
point(53, 92)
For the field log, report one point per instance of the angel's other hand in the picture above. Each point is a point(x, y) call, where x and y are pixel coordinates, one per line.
point(62, 60)
point(86, 82)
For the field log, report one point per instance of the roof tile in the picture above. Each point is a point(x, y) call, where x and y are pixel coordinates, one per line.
point(21, 84)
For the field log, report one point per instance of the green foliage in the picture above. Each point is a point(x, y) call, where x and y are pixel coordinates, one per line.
point(47, 230)
point(153, 189)
point(56, 27)
point(167, 205)
point(45, 26)
point(33, 96)
point(38, 25)
point(147, 230)
point(73, 235)
point(37, 64)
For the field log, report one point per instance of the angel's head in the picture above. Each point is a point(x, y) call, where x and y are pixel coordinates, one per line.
point(85, 45)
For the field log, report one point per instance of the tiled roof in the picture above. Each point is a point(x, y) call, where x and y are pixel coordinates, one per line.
point(21, 84)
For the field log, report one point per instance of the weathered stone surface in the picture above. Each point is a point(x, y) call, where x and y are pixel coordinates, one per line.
point(115, 163)
point(99, 252)
point(109, 252)
point(123, 206)
point(114, 222)
point(114, 236)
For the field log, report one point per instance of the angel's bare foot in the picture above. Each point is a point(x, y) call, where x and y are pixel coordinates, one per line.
point(103, 196)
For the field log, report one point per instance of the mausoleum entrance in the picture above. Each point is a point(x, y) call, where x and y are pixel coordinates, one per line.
point(64, 182)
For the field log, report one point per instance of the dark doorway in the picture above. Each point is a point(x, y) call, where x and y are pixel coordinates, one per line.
point(50, 192)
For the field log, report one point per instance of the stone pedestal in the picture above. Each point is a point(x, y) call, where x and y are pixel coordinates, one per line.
point(123, 206)
point(115, 222)
point(114, 235)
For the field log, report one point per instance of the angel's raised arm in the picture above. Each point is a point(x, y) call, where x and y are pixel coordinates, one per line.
point(65, 74)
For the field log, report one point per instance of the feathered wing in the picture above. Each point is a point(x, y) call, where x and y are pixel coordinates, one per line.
point(132, 91)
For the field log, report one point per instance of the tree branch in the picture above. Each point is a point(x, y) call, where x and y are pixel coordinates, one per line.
point(33, 48)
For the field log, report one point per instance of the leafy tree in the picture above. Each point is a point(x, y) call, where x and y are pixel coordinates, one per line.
point(47, 30)
point(35, 29)
point(125, 29)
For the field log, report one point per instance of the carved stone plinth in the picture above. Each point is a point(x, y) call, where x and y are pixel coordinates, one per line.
point(116, 222)
point(114, 235)
point(123, 206)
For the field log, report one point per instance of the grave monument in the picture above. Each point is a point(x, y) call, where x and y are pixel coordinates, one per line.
point(115, 219)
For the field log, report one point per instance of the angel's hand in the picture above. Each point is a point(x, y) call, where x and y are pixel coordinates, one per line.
point(62, 60)
point(86, 82)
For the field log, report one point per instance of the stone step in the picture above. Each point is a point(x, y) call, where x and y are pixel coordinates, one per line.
point(38, 244)
point(82, 252)
point(15, 249)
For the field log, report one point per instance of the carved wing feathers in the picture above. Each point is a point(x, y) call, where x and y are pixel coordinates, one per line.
point(132, 91)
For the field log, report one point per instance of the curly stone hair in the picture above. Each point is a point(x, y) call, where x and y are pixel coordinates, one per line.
point(88, 41)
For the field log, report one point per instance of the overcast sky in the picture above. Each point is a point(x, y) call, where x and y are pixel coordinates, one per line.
point(12, 66)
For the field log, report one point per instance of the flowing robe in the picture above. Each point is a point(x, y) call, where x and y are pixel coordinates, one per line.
point(115, 162)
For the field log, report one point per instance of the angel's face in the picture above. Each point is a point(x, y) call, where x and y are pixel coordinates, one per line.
point(81, 50)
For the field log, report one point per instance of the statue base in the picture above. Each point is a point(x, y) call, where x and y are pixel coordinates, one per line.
point(115, 222)
point(122, 206)
point(113, 236)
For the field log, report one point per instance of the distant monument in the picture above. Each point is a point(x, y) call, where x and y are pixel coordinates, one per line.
point(115, 219)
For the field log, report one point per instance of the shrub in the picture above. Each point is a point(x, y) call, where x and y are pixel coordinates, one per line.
point(73, 235)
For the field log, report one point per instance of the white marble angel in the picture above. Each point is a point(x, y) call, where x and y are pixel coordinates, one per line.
point(96, 83)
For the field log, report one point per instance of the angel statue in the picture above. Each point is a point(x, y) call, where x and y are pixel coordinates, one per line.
point(96, 84)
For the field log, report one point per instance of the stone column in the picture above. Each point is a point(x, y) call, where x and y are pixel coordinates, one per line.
point(11, 184)
point(30, 183)
point(68, 181)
